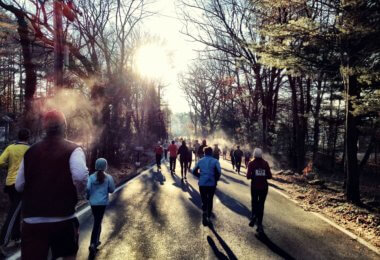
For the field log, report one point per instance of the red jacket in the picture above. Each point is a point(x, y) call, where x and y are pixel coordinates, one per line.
point(173, 150)
point(158, 150)
point(259, 172)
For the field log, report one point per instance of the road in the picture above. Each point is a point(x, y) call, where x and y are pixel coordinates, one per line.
point(156, 216)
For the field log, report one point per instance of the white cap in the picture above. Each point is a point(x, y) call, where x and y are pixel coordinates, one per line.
point(257, 153)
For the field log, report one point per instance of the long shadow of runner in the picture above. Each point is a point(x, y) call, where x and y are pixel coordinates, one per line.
point(233, 204)
point(273, 247)
point(227, 249)
point(234, 179)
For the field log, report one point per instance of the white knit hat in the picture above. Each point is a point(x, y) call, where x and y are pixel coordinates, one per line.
point(257, 153)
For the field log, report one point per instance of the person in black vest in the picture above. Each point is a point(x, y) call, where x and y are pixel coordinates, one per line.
point(51, 175)
point(238, 156)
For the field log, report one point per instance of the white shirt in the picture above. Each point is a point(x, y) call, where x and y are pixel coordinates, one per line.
point(79, 174)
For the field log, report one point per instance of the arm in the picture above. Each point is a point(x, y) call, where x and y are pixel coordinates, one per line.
point(4, 157)
point(218, 170)
point(111, 184)
point(268, 171)
point(249, 171)
point(88, 188)
point(20, 179)
point(196, 170)
point(79, 169)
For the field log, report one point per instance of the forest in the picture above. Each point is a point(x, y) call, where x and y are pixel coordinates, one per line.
point(298, 78)
point(78, 57)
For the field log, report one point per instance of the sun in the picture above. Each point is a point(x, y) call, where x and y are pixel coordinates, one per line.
point(152, 61)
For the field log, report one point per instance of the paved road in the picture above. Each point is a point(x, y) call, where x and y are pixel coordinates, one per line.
point(156, 216)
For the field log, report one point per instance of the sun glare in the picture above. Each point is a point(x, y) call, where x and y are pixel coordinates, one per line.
point(152, 61)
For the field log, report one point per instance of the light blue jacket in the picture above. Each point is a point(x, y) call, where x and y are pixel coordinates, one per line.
point(97, 193)
point(208, 166)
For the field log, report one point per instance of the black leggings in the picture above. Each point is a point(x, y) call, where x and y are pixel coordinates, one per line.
point(238, 164)
point(11, 227)
point(172, 163)
point(207, 196)
point(158, 160)
point(98, 213)
point(258, 201)
point(184, 165)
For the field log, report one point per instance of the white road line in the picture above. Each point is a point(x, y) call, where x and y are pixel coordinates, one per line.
point(17, 255)
point(342, 229)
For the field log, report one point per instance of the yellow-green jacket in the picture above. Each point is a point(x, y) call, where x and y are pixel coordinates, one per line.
point(12, 156)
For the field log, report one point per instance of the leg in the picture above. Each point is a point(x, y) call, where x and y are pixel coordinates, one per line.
point(203, 192)
point(210, 199)
point(98, 215)
point(64, 239)
point(35, 241)
point(11, 227)
point(262, 194)
point(182, 164)
point(254, 201)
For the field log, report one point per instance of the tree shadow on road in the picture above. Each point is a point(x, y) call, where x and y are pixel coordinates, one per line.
point(227, 249)
point(275, 186)
point(273, 247)
point(233, 204)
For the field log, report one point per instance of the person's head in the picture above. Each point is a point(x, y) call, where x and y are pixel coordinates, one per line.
point(204, 142)
point(184, 143)
point(257, 153)
point(173, 142)
point(158, 143)
point(238, 147)
point(216, 145)
point(208, 151)
point(23, 135)
point(100, 166)
point(54, 123)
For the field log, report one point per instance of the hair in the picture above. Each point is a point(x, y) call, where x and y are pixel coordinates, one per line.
point(258, 153)
point(184, 143)
point(100, 176)
point(238, 147)
point(23, 134)
point(204, 142)
point(173, 142)
point(208, 150)
point(58, 130)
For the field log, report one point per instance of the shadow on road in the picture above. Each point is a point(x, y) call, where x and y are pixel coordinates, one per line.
point(275, 186)
point(227, 249)
point(272, 246)
point(235, 180)
point(233, 204)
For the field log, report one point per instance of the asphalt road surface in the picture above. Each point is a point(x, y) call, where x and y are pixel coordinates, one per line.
point(156, 216)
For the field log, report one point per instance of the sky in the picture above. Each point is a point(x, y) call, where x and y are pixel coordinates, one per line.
point(167, 27)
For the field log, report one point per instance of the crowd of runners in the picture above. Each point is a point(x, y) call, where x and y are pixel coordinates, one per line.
point(44, 181)
point(208, 169)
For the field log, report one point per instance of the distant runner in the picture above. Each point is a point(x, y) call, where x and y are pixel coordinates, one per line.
point(183, 152)
point(259, 172)
point(172, 156)
point(247, 158)
point(195, 150)
point(201, 148)
point(232, 158)
point(216, 152)
point(238, 156)
point(158, 150)
point(224, 152)
point(165, 146)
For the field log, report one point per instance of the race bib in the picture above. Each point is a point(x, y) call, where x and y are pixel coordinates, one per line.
point(260, 172)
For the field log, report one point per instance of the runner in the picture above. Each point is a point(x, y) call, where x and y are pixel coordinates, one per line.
point(165, 146)
point(183, 152)
point(12, 157)
point(259, 172)
point(190, 159)
point(172, 156)
point(232, 158)
point(99, 185)
point(158, 151)
point(224, 152)
point(238, 156)
point(216, 152)
point(201, 148)
point(208, 170)
point(51, 176)
point(195, 149)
